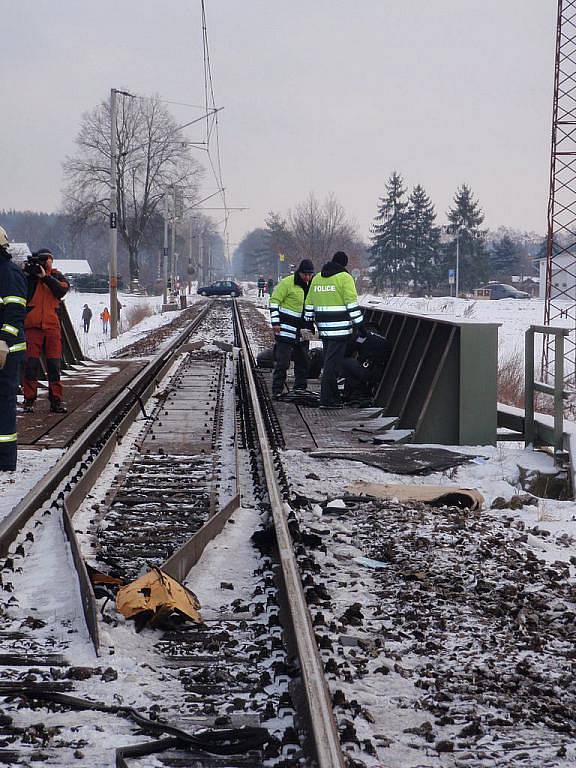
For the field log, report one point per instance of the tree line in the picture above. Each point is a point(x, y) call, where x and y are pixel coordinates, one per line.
point(314, 229)
point(408, 250)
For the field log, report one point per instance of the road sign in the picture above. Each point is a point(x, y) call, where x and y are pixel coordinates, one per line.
point(451, 276)
point(282, 257)
point(355, 274)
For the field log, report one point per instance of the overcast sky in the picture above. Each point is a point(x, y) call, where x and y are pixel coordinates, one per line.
point(318, 95)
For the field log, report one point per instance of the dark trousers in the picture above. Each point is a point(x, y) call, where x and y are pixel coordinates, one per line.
point(334, 351)
point(284, 352)
point(358, 378)
point(86, 326)
point(9, 380)
point(49, 342)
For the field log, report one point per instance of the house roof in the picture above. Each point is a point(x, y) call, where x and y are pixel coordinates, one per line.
point(73, 266)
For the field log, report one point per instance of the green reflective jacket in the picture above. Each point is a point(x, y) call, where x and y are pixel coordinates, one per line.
point(332, 303)
point(286, 307)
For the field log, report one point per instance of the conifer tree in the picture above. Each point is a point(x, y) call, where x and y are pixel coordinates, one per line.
point(389, 237)
point(465, 219)
point(504, 258)
point(423, 241)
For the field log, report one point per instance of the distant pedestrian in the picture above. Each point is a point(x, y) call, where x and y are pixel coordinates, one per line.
point(105, 317)
point(261, 285)
point(86, 317)
point(271, 285)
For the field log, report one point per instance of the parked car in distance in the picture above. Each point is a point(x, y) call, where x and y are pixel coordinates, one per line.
point(221, 288)
point(499, 291)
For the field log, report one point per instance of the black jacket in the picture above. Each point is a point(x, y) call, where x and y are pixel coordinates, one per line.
point(12, 301)
point(331, 268)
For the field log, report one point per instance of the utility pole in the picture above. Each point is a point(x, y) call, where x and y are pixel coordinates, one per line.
point(173, 243)
point(113, 266)
point(165, 252)
point(190, 263)
point(202, 276)
point(457, 283)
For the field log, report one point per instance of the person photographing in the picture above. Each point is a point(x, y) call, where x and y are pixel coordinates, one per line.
point(46, 288)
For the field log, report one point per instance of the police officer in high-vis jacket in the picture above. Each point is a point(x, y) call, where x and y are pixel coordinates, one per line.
point(12, 345)
point(332, 303)
point(286, 315)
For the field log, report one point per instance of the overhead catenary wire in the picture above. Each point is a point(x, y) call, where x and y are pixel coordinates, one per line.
point(212, 125)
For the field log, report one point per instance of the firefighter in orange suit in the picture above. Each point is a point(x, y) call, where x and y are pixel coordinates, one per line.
point(46, 287)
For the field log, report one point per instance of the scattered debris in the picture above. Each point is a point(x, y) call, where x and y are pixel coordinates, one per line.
point(157, 600)
point(434, 495)
point(402, 459)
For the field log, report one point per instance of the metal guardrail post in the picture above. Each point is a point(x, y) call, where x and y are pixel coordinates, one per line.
point(529, 387)
point(558, 393)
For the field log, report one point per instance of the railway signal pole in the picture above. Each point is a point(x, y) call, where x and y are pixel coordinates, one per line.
point(113, 266)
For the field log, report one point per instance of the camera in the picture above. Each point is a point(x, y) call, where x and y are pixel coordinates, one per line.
point(34, 263)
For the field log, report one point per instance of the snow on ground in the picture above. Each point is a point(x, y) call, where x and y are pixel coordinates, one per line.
point(513, 315)
point(97, 345)
point(495, 472)
point(32, 466)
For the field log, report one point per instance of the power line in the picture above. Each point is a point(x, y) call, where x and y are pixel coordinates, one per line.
point(212, 122)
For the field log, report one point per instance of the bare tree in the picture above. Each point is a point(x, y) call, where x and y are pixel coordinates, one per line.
point(320, 228)
point(151, 157)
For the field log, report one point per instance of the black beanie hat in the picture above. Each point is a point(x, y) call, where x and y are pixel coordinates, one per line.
point(44, 254)
point(340, 258)
point(306, 266)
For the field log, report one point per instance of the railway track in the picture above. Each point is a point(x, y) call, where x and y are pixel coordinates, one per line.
point(250, 677)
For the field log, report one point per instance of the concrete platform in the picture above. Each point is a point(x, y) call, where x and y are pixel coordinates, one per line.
point(88, 388)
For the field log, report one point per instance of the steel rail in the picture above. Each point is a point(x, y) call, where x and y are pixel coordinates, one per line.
point(324, 741)
point(127, 402)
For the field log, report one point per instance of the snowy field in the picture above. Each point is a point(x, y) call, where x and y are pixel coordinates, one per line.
point(98, 345)
point(513, 315)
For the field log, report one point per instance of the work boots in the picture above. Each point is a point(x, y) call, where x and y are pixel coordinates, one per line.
point(57, 406)
point(28, 406)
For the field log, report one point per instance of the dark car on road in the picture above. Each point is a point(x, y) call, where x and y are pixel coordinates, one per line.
point(221, 288)
point(499, 291)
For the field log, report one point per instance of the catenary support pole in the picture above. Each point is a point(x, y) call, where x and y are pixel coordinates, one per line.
point(165, 252)
point(113, 266)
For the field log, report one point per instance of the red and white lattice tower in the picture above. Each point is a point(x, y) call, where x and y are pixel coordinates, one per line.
point(560, 304)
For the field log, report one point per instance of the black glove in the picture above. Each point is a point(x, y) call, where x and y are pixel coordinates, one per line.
point(361, 331)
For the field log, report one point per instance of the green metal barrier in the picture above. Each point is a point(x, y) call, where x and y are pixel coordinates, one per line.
point(440, 380)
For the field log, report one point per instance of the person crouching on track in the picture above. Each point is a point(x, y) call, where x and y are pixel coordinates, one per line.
point(12, 346)
point(332, 304)
point(286, 308)
point(364, 366)
point(46, 287)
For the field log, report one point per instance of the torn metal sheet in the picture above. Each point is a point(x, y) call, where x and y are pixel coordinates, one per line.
point(154, 598)
point(434, 495)
point(401, 459)
point(374, 424)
